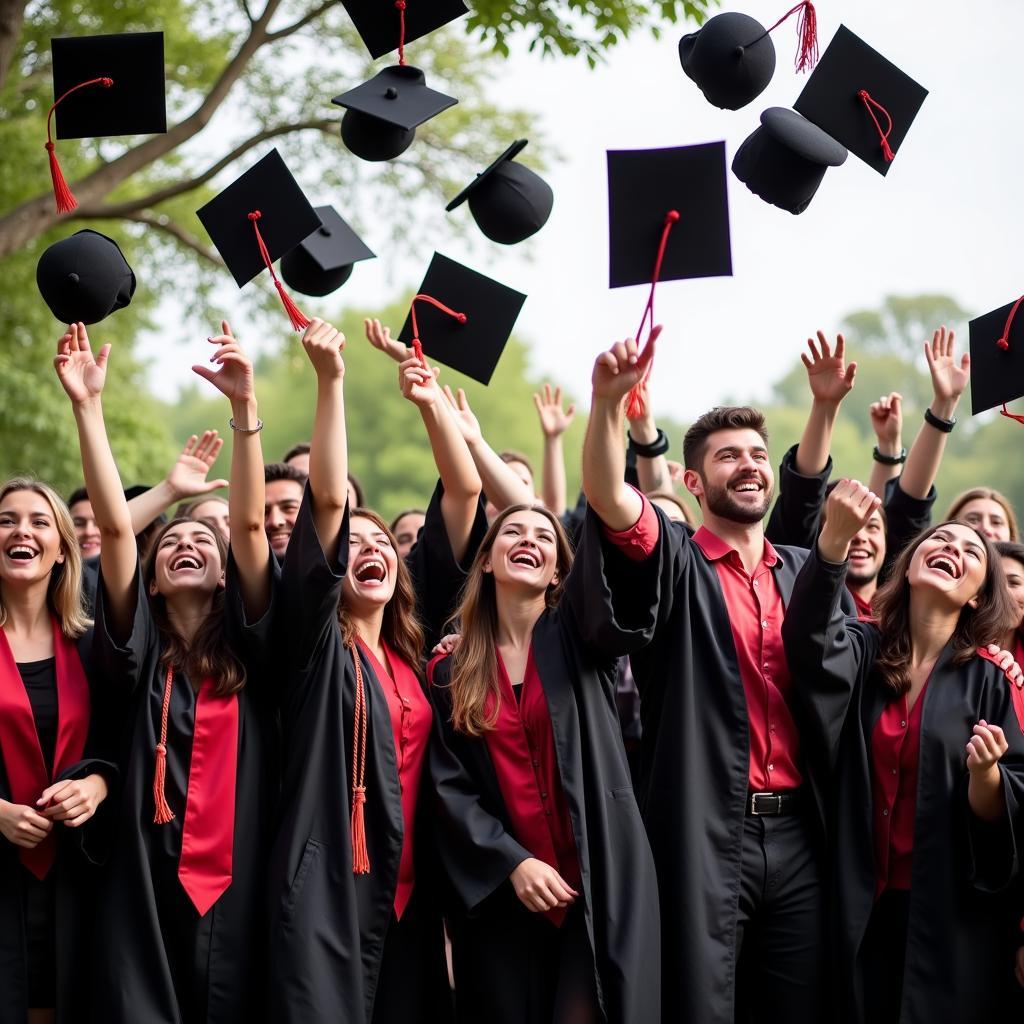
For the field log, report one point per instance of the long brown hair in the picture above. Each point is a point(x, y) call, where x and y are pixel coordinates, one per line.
point(977, 493)
point(401, 629)
point(991, 620)
point(64, 593)
point(476, 698)
point(208, 653)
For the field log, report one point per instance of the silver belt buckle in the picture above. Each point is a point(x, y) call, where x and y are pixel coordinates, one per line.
point(753, 803)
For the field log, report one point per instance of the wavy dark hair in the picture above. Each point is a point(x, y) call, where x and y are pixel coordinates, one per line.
point(401, 629)
point(476, 699)
point(208, 653)
point(993, 618)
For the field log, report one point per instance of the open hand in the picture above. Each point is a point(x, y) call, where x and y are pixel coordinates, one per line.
point(1008, 663)
point(81, 374)
point(234, 379)
point(848, 508)
point(188, 476)
point(830, 379)
point(554, 420)
point(949, 378)
point(619, 369)
point(380, 338)
point(73, 801)
point(23, 826)
point(464, 416)
point(324, 344)
point(540, 887)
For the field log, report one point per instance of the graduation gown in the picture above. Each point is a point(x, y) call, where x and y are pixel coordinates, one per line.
point(157, 961)
point(957, 954)
point(74, 876)
point(577, 668)
point(694, 757)
point(328, 926)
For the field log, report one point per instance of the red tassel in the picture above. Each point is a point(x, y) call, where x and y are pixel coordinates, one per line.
point(62, 193)
point(360, 856)
point(1004, 344)
point(417, 345)
point(400, 5)
point(162, 813)
point(298, 319)
point(872, 105)
point(807, 33)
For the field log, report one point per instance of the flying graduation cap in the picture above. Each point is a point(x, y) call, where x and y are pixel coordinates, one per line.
point(732, 57)
point(668, 218)
point(84, 278)
point(323, 262)
point(257, 219)
point(382, 115)
point(862, 100)
point(997, 359)
point(104, 86)
point(463, 319)
point(508, 201)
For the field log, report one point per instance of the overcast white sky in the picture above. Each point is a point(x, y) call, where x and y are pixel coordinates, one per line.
point(946, 219)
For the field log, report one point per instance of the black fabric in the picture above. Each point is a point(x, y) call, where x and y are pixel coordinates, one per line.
point(962, 867)
point(905, 518)
point(884, 956)
point(158, 961)
point(90, 581)
point(40, 902)
point(577, 668)
point(328, 927)
point(40, 679)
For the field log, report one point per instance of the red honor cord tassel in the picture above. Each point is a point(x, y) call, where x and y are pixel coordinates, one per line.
point(807, 31)
point(636, 400)
point(62, 193)
point(298, 319)
point(360, 855)
point(417, 346)
point(1004, 344)
point(872, 105)
point(162, 813)
point(400, 5)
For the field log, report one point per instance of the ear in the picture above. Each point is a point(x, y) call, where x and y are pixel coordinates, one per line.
point(974, 601)
point(152, 588)
point(554, 580)
point(693, 483)
point(61, 556)
point(487, 566)
point(220, 582)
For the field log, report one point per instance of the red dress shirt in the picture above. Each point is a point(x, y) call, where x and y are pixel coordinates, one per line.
point(411, 719)
point(522, 749)
point(895, 750)
point(864, 612)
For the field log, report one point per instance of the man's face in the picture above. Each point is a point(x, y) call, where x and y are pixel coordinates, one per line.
point(736, 481)
point(86, 530)
point(280, 512)
point(300, 462)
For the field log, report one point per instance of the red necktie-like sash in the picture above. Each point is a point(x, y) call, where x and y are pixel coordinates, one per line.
point(19, 741)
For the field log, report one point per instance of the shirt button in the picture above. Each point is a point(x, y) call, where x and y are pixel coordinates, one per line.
point(771, 727)
point(885, 812)
point(405, 701)
point(547, 814)
point(543, 796)
point(755, 583)
point(536, 764)
point(894, 771)
point(903, 725)
point(771, 767)
point(764, 623)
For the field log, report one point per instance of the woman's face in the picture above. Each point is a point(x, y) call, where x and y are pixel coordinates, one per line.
point(950, 562)
point(30, 543)
point(372, 567)
point(1015, 583)
point(86, 530)
point(407, 529)
point(218, 512)
point(524, 553)
point(987, 517)
point(187, 561)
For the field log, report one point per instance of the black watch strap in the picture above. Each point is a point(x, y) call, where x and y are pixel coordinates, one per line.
point(889, 460)
point(649, 451)
point(946, 426)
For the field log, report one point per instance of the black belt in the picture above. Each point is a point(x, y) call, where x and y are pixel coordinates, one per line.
point(772, 805)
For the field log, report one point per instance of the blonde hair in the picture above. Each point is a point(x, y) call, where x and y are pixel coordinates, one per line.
point(64, 595)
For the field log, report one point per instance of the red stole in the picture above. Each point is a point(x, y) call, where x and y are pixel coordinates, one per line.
point(19, 741)
point(1016, 693)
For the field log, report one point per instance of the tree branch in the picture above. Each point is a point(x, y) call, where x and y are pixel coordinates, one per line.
point(288, 30)
point(246, 11)
point(177, 232)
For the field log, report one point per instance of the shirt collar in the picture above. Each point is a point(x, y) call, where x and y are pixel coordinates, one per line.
point(715, 548)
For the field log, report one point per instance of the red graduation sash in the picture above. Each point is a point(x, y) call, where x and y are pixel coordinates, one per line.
point(1016, 693)
point(19, 741)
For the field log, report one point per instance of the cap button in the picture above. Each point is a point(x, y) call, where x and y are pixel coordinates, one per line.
point(325, 231)
point(739, 51)
point(391, 93)
point(73, 278)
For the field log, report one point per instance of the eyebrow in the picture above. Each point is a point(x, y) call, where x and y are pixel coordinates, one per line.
point(736, 449)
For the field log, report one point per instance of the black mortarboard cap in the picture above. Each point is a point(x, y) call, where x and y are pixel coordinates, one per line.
point(132, 105)
point(861, 99)
point(644, 185)
point(785, 159)
point(84, 278)
point(508, 201)
point(322, 263)
point(382, 114)
point(380, 22)
point(997, 357)
point(471, 337)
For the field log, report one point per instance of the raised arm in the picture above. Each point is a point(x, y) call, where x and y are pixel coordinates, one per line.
point(652, 471)
point(830, 380)
point(616, 504)
point(949, 379)
point(328, 451)
point(889, 455)
point(246, 498)
point(455, 466)
point(82, 376)
point(554, 422)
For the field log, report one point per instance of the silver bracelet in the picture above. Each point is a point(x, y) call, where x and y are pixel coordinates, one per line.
point(243, 430)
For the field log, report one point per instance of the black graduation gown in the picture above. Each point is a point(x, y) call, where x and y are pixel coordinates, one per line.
point(74, 876)
point(956, 955)
point(694, 756)
point(577, 668)
point(328, 926)
point(157, 961)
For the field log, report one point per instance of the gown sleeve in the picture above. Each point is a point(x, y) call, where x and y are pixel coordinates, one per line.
point(796, 515)
point(257, 643)
point(905, 518)
point(121, 666)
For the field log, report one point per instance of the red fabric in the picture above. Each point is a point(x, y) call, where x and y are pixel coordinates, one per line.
point(640, 540)
point(299, 320)
point(411, 719)
point(19, 742)
point(864, 612)
point(755, 614)
point(208, 833)
point(1016, 693)
point(62, 194)
point(522, 748)
point(895, 747)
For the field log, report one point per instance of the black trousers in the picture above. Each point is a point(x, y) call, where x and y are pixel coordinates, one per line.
point(883, 956)
point(780, 926)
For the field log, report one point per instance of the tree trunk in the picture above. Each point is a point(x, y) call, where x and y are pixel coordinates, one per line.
point(12, 15)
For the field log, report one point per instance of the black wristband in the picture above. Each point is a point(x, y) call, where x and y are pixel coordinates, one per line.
point(889, 460)
point(649, 451)
point(946, 426)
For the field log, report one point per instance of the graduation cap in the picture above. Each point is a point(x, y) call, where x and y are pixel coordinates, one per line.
point(732, 57)
point(997, 359)
point(322, 263)
point(84, 278)
point(104, 86)
point(785, 159)
point(256, 220)
point(861, 99)
point(386, 25)
point(668, 217)
point(464, 319)
point(382, 114)
point(508, 201)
